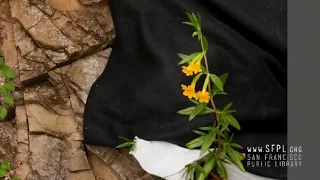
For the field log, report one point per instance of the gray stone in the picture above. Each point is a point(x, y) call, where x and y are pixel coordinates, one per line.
point(48, 157)
point(85, 71)
point(22, 41)
point(100, 170)
point(43, 6)
point(31, 71)
point(47, 35)
point(43, 121)
point(22, 125)
point(28, 15)
point(49, 97)
point(8, 143)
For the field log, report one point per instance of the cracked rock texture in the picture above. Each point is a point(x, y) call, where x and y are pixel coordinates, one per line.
point(49, 35)
point(57, 48)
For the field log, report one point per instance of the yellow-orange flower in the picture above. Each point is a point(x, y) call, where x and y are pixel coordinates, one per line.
point(187, 70)
point(202, 96)
point(188, 91)
point(195, 67)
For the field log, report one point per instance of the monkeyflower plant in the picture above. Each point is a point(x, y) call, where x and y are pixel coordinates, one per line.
point(214, 147)
point(196, 66)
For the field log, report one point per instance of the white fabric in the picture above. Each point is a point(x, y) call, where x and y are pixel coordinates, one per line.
point(168, 161)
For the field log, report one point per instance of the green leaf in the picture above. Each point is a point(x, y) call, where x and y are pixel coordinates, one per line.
point(221, 134)
point(8, 73)
point(204, 70)
point(127, 144)
point(231, 138)
point(3, 113)
point(190, 170)
point(217, 82)
point(223, 120)
point(222, 154)
point(194, 34)
point(188, 23)
point(3, 90)
point(222, 170)
point(2, 173)
point(196, 21)
point(199, 132)
point(229, 111)
point(208, 166)
point(218, 92)
point(235, 158)
point(199, 169)
point(9, 86)
point(226, 128)
point(226, 134)
point(232, 121)
point(235, 145)
point(186, 172)
point(194, 101)
point(197, 110)
point(182, 56)
point(227, 107)
point(125, 139)
point(210, 138)
point(9, 99)
point(206, 128)
point(5, 166)
point(204, 43)
point(191, 18)
point(199, 19)
point(224, 123)
point(196, 142)
point(223, 78)
point(206, 111)
point(192, 174)
point(189, 57)
point(186, 111)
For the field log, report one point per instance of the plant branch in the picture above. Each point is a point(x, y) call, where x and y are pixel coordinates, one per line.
point(212, 102)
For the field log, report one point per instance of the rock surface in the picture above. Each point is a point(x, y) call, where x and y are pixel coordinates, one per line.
point(54, 33)
point(58, 49)
point(8, 143)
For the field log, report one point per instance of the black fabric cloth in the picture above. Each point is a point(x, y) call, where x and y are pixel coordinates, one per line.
point(140, 92)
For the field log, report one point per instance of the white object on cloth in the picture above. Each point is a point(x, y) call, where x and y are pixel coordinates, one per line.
point(168, 161)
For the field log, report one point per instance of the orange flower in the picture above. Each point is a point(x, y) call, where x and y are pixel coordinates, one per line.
point(187, 70)
point(193, 68)
point(188, 91)
point(196, 68)
point(202, 96)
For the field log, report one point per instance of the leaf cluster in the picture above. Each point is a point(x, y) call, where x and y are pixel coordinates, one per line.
point(4, 170)
point(7, 88)
point(216, 159)
point(127, 144)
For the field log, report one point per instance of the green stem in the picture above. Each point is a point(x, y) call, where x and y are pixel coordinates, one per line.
point(209, 88)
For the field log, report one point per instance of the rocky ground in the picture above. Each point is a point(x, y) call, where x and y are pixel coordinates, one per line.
point(57, 48)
